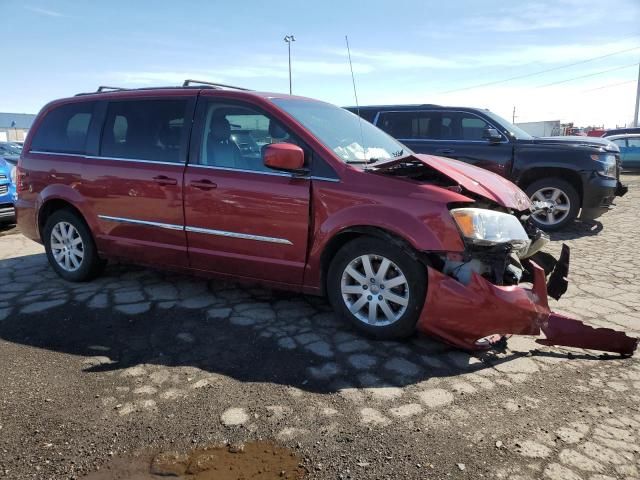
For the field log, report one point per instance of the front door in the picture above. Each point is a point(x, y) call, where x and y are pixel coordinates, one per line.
point(242, 218)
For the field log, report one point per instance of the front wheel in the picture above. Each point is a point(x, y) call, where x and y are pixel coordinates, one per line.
point(70, 248)
point(377, 287)
point(561, 200)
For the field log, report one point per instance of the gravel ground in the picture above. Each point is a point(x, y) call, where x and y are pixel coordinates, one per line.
point(141, 361)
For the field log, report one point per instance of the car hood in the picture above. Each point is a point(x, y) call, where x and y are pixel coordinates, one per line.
point(473, 179)
point(577, 141)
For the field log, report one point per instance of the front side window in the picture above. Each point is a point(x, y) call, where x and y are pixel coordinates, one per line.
point(64, 129)
point(352, 139)
point(621, 142)
point(234, 135)
point(144, 130)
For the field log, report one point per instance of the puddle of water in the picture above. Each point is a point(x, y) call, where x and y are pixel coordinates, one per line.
point(260, 460)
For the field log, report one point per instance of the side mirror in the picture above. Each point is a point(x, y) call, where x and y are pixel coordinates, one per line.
point(283, 156)
point(492, 135)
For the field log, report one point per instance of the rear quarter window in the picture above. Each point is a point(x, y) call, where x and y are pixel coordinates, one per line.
point(64, 129)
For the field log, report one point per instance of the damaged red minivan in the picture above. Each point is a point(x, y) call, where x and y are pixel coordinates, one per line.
point(296, 194)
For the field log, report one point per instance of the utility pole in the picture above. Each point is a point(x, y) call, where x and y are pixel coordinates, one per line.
point(513, 116)
point(635, 117)
point(289, 39)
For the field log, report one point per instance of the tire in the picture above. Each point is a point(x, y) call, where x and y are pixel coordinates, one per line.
point(565, 196)
point(392, 319)
point(66, 234)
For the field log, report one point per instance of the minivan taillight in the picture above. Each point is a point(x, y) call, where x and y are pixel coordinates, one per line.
point(19, 178)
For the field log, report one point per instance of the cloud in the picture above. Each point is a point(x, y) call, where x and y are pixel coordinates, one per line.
point(270, 69)
point(550, 15)
point(45, 12)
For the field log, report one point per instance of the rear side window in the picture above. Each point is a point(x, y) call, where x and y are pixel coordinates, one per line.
point(406, 125)
point(144, 130)
point(64, 130)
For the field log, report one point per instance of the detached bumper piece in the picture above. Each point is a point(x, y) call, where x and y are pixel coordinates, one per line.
point(461, 315)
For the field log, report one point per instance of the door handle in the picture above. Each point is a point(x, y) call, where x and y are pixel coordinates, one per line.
point(164, 180)
point(204, 184)
point(445, 151)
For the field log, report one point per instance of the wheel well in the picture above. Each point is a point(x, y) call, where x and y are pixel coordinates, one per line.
point(52, 206)
point(351, 233)
point(535, 174)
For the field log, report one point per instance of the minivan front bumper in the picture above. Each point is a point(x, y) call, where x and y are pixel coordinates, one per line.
point(461, 315)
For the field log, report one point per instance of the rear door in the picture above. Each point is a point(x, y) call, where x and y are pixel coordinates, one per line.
point(242, 218)
point(135, 185)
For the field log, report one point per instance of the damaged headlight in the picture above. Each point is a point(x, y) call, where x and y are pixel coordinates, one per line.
point(486, 227)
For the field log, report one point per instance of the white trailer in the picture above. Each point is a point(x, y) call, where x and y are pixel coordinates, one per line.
point(546, 128)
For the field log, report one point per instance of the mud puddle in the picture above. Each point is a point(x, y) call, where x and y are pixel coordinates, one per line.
point(260, 460)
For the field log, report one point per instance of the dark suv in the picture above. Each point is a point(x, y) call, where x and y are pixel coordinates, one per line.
point(565, 177)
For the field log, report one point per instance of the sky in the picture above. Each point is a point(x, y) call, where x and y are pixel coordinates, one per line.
point(454, 52)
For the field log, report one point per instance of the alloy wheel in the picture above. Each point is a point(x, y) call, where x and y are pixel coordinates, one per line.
point(67, 247)
point(375, 290)
point(559, 209)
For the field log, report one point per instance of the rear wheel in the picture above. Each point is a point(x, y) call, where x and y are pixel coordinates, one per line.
point(70, 248)
point(561, 199)
point(378, 287)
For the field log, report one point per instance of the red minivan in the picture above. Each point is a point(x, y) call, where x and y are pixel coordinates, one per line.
point(293, 193)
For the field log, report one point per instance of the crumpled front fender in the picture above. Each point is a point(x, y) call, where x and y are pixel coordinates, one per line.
point(461, 314)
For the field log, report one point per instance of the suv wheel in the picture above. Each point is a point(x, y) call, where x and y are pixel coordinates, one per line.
point(70, 248)
point(378, 287)
point(562, 200)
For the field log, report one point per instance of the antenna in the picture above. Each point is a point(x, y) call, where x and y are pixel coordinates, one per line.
point(355, 94)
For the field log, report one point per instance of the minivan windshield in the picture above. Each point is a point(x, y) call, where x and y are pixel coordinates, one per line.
point(516, 132)
point(352, 139)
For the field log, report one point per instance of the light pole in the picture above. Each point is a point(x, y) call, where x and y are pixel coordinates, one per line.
point(289, 39)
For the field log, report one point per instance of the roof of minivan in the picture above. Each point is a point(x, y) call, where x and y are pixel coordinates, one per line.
point(162, 91)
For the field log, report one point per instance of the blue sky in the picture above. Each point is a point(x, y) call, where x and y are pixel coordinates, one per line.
point(406, 51)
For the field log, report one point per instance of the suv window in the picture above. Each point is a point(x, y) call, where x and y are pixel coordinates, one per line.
point(621, 142)
point(234, 135)
point(462, 126)
point(407, 125)
point(144, 130)
point(64, 129)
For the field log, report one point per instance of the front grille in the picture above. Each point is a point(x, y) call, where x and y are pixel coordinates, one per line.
point(4, 189)
point(3, 176)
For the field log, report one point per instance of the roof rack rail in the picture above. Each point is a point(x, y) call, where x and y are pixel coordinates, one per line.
point(103, 88)
point(190, 82)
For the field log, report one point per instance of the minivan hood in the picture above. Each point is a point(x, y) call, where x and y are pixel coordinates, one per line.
point(577, 141)
point(476, 180)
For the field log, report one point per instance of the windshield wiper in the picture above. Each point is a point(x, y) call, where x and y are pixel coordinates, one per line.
point(361, 162)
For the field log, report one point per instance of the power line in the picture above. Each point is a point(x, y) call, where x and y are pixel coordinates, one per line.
point(609, 86)
point(540, 72)
point(588, 75)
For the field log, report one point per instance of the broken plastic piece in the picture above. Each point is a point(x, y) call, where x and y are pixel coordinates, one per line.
point(460, 315)
point(561, 330)
point(558, 283)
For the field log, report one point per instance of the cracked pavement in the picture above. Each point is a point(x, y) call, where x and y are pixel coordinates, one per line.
point(141, 360)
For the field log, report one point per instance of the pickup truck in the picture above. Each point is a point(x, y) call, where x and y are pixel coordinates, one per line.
point(565, 177)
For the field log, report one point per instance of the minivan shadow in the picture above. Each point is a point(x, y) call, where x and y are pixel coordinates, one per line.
point(135, 316)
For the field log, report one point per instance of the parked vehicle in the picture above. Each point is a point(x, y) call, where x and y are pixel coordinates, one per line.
point(153, 176)
point(7, 191)
point(10, 149)
point(629, 145)
point(566, 177)
point(620, 131)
